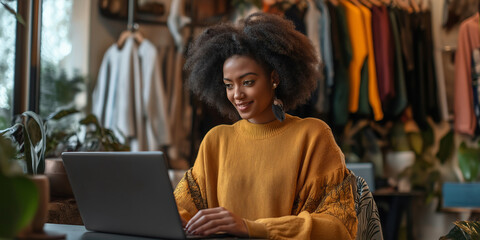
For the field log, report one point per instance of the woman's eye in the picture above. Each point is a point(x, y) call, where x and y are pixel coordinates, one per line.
point(228, 86)
point(248, 83)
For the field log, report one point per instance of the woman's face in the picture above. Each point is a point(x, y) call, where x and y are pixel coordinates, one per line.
point(249, 88)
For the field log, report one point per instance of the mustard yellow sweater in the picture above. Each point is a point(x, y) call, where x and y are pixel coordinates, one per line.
point(287, 180)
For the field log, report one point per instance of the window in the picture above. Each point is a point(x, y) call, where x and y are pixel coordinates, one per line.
point(62, 82)
point(8, 25)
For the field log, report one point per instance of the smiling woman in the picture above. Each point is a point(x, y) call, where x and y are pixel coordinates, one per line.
point(249, 88)
point(246, 71)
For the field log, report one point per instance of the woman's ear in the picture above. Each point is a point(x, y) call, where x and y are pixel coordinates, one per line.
point(275, 78)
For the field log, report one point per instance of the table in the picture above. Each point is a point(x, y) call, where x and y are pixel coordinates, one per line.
point(399, 203)
point(78, 232)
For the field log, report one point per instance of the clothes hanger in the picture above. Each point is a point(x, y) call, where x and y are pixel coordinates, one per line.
point(403, 4)
point(334, 2)
point(376, 2)
point(366, 3)
point(425, 5)
point(415, 6)
point(354, 2)
point(132, 31)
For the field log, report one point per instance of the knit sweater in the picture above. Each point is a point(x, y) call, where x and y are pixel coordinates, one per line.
point(285, 179)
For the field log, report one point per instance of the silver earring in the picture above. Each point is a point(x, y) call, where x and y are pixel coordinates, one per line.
point(277, 108)
point(274, 85)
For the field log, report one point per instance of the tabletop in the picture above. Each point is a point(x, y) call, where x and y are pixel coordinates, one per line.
point(78, 232)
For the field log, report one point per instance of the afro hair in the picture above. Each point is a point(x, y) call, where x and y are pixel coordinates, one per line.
point(269, 39)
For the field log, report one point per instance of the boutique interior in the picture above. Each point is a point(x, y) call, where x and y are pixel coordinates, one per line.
point(406, 109)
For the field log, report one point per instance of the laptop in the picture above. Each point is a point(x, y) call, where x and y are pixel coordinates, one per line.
point(124, 193)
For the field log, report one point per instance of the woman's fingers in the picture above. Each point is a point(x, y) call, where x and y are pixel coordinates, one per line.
point(205, 216)
point(210, 221)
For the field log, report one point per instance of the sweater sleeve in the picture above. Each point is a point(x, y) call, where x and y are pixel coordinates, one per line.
point(323, 209)
point(190, 194)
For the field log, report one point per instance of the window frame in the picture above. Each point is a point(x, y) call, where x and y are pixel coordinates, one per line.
point(26, 89)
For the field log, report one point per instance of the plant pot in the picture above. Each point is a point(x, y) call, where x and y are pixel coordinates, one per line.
point(396, 163)
point(36, 225)
point(57, 176)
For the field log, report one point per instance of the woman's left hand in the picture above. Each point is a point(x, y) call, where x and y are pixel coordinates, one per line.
point(213, 220)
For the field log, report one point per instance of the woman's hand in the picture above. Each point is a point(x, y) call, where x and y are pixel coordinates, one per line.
point(213, 220)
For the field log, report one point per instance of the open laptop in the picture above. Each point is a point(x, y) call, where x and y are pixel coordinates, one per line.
point(124, 193)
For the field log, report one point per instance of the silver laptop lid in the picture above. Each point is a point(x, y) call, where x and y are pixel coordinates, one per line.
point(124, 192)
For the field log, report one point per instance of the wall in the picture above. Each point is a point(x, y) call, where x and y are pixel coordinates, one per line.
point(104, 32)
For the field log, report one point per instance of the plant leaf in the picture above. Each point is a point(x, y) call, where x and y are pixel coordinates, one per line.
point(468, 161)
point(17, 16)
point(446, 147)
point(471, 229)
point(427, 137)
point(38, 154)
point(455, 234)
point(62, 113)
point(416, 142)
point(18, 204)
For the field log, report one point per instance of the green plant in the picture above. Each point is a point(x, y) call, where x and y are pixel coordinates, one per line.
point(58, 89)
point(469, 161)
point(86, 135)
point(28, 133)
point(18, 201)
point(464, 230)
point(398, 138)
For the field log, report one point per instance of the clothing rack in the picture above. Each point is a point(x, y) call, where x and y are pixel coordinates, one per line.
point(132, 26)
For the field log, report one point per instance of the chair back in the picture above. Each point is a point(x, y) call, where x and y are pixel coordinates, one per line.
point(369, 226)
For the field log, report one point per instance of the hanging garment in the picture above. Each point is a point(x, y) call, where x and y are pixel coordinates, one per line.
point(342, 55)
point(359, 51)
point(412, 48)
point(325, 41)
point(468, 39)
point(431, 89)
point(400, 101)
point(384, 53)
point(116, 99)
point(456, 11)
point(154, 97)
point(296, 14)
point(373, 96)
point(312, 20)
point(129, 96)
point(440, 40)
point(326, 51)
point(476, 87)
point(176, 21)
point(313, 29)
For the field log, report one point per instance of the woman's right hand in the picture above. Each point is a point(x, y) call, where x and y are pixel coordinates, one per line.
point(214, 220)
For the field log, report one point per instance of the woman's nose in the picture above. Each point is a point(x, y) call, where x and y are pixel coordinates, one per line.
point(238, 94)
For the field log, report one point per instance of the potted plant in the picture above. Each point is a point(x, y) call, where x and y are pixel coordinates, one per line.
point(399, 158)
point(466, 193)
point(78, 134)
point(18, 203)
point(29, 136)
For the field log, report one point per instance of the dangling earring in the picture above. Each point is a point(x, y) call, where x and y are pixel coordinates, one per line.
point(278, 110)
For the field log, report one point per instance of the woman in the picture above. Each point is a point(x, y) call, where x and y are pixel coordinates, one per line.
point(269, 175)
